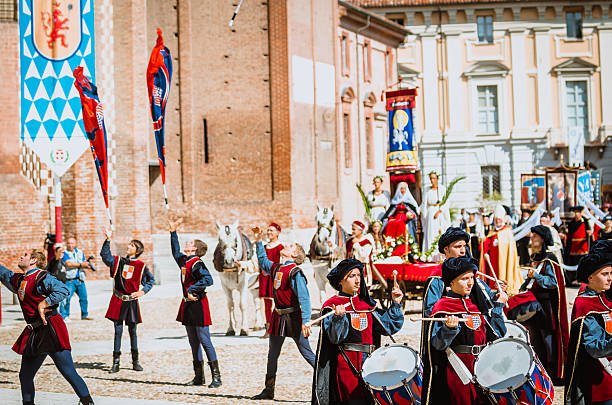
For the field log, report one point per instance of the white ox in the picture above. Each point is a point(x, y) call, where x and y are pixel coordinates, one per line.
point(236, 263)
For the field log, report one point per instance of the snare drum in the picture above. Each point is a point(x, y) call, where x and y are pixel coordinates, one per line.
point(522, 306)
point(394, 374)
point(509, 372)
point(516, 330)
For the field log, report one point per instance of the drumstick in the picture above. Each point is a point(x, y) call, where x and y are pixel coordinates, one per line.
point(486, 256)
point(395, 279)
point(485, 276)
point(325, 316)
point(417, 318)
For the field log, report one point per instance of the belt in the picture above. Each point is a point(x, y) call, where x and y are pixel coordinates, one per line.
point(38, 323)
point(466, 349)
point(199, 297)
point(123, 297)
point(284, 311)
point(355, 347)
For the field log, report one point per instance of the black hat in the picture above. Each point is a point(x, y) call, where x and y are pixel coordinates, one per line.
point(601, 246)
point(451, 235)
point(453, 268)
point(591, 263)
point(336, 275)
point(577, 208)
point(545, 233)
point(606, 217)
point(527, 210)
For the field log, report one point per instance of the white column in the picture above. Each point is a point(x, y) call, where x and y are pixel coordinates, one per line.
point(544, 80)
point(430, 84)
point(519, 88)
point(605, 60)
point(454, 63)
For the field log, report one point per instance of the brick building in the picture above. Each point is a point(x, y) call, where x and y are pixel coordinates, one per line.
point(252, 124)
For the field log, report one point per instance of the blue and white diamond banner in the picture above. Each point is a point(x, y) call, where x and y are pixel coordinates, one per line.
point(56, 36)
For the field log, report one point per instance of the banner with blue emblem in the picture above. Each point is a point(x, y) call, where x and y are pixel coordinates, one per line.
point(402, 150)
point(56, 36)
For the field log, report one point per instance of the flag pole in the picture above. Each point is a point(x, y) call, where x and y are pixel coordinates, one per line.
point(57, 185)
point(166, 198)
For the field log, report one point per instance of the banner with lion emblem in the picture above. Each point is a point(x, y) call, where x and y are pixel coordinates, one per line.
point(56, 36)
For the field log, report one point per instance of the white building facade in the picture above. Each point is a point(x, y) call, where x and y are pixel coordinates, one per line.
point(502, 85)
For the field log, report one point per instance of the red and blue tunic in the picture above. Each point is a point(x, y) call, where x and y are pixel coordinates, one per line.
point(287, 317)
point(193, 313)
point(590, 340)
point(127, 276)
point(38, 338)
point(577, 237)
point(265, 281)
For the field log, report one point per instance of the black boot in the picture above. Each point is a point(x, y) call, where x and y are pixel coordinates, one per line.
point(135, 364)
point(216, 374)
point(198, 369)
point(86, 400)
point(28, 402)
point(116, 357)
point(268, 392)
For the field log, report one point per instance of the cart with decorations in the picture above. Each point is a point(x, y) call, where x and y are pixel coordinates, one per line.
point(410, 277)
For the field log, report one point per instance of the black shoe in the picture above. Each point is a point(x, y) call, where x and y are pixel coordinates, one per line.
point(216, 374)
point(268, 392)
point(28, 402)
point(86, 400)
point(198, 369)
point(116, 357)
point(135, 364)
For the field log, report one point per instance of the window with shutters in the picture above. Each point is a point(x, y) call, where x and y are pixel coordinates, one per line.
point(490, 180)
point(488, 122)
point(346, 132)
point(484, 25)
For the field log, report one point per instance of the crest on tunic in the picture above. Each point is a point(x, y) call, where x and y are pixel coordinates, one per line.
point(22, 290)
point(608, 321)
point(56, 27)
point(359, 320)
point(183, 272)
point(128, 272)
point(472, 321)
point(278, 278)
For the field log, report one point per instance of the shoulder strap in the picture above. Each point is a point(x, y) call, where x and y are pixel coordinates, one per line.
point(40, 276)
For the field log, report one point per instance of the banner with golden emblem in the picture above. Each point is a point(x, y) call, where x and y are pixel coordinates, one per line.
point(56, 36)
point(402, 150)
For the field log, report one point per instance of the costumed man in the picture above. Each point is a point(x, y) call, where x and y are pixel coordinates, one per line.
point(461, 341)
point(39, 294)
point(589, 361)
point(128, 274)
point(548, 327)
point(378, 199)
point(292, 310)
point(557, 247)
point(360, 246)
point(273, 249)
point(606, 232)
point(194, 312)
point(500, 248)
point(474, 228)
point(522, 245)
point(577, 245)
point(348, 336)
point(453, 243)
point(434, 216)
point(487, 226)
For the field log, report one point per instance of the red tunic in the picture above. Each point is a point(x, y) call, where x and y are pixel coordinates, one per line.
point(265, 281)
point(582, 366)
point(127, 276)
point(360, 332)
point(472, 333)
point(579, 240)
point(55, 334)
point(288, 324)
point(192, 313)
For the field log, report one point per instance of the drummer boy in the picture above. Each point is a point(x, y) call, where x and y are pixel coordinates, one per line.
point(347, 337)
point(451, 340)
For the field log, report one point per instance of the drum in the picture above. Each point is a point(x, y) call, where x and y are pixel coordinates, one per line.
point(522, 306)
point(394, 374)
point(509, 372)
point(516, 330)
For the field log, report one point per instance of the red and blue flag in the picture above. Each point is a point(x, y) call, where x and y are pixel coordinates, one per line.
point(93, 121)
point(159, 75)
